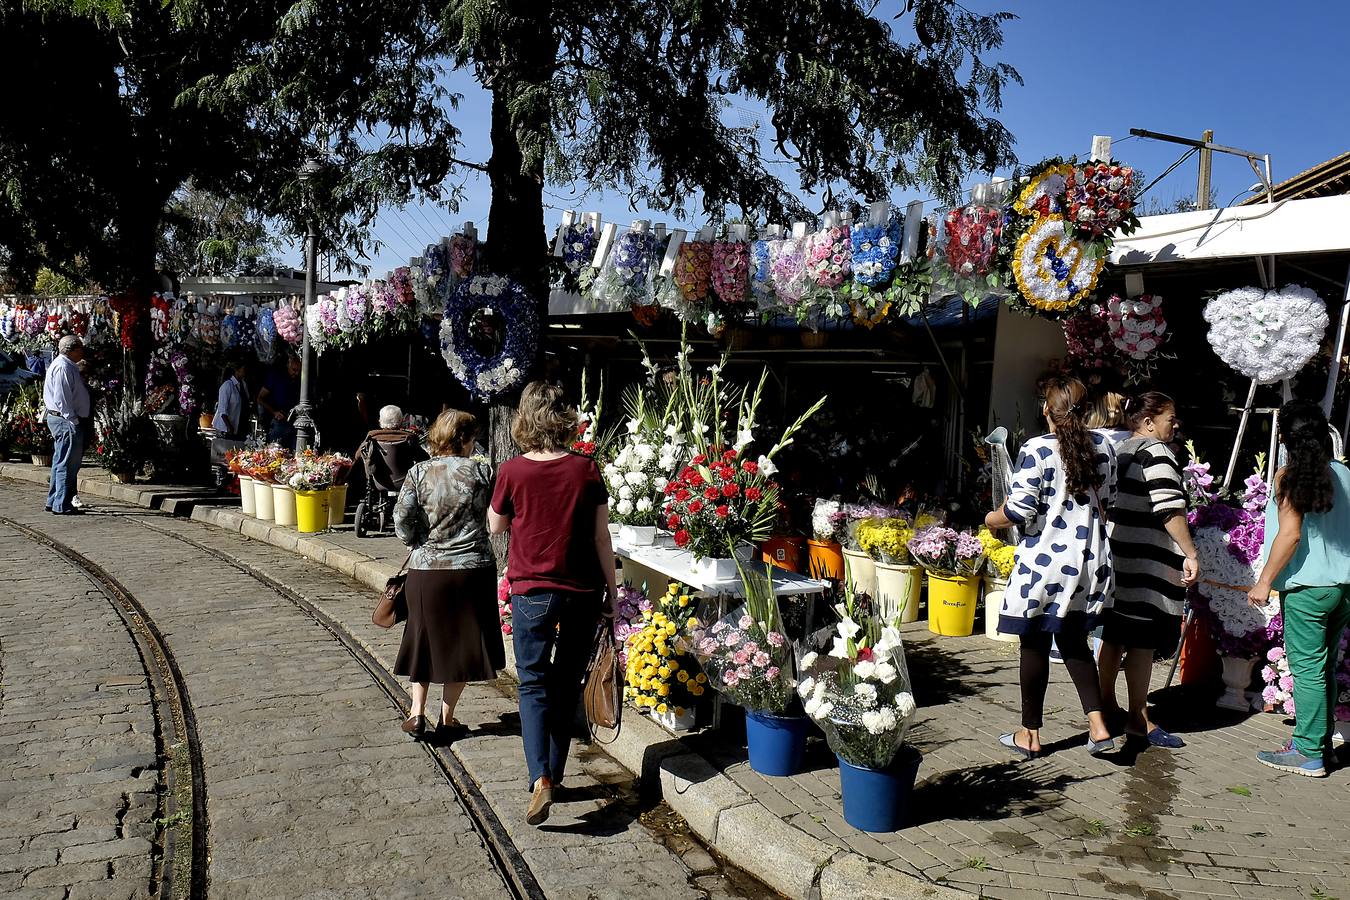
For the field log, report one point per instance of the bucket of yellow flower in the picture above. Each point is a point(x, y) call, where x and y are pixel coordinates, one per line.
point(998, 563)
point(898, 580)
point(748, 658)
point(661, 679)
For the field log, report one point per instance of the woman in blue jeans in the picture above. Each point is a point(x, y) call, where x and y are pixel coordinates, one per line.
point(1307, 553)
point(559, 568)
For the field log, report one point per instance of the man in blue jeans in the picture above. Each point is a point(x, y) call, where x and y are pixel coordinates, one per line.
point(67, 402)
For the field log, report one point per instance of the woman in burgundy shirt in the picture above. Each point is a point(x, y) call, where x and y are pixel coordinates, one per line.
point(559, 568)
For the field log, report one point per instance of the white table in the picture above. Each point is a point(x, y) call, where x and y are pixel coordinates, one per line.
point(679, 565)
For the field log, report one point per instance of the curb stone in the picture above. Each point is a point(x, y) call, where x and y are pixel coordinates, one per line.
point(717, 809)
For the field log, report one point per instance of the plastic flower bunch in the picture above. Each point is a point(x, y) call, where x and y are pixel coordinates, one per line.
point(1100, 199)
point(693, 271)
point(829, 521)
point(636, 480)
point(1266, 335)
point(579, 243)
point(855, 685)
point(829, 257)
point(947, 552)
point(504, 604)
point(159, 318)
point(289, 324)
point(887, 540)
point(874, 251)
point(1279, 690)
point(633, 254)
point(660, 676)
point(1137, 324)
point(1197, 480)
point(629, 607)
point(730, 271)
point(746, 653)
point(463, 250)
point(761, 272)
point(973, 234)
point(856, 515)
point(787, 266)
point(998, 555)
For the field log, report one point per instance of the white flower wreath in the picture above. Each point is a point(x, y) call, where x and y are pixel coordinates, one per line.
point(1226, 581)
point(1266, 335)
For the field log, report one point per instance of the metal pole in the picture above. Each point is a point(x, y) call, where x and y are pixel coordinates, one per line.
point(304, 422)
point(1242, 430)
point(1329, 398)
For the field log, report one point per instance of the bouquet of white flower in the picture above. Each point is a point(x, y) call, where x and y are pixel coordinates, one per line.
point(858, 690)
point(635, 478)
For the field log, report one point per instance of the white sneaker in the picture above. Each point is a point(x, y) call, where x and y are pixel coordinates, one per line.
point(76, 502)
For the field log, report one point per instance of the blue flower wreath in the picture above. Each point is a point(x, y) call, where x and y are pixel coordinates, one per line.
point(486, 377)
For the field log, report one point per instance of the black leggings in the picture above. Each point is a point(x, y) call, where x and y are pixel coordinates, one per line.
point(1073, 648)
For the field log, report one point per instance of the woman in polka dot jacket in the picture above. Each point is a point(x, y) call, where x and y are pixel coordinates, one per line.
point(1062, 580)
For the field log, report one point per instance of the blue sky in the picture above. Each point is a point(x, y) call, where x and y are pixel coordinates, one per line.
point(1268, 78)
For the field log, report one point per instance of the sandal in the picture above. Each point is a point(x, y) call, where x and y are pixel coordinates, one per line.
point(1010, 741)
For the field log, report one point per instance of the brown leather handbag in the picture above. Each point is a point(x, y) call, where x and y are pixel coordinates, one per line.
point(392, 607)
point(603, 693)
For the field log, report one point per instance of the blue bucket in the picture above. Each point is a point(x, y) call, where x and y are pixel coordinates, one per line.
point(877, 799)
point(776, 743)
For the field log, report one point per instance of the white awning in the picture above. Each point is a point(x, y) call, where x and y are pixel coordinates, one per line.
point(1318, 225)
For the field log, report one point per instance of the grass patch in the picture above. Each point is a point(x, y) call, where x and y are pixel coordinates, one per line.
point(1097, 828)
point(1141, 829)
point(978, 863)
point(1240, 790)
point(1198, 827)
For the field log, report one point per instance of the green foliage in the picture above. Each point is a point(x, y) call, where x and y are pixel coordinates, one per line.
point(23, 422)
point(125, 436)
point(207, 234)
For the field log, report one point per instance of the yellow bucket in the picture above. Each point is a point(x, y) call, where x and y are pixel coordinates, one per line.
point(951, 604)
point(311, 511)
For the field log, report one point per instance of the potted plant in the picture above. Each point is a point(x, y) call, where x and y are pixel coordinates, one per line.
point(998, 563)
point(283, 498)
point(265, 467)
point(748, 659)
point(310, 479)
point(340, 467)
point(898, 580)
point(855, 686)
point(635, 479)
point(125, 438)
point(27, 425)
point(953, 560)
point(859, 563)
point(828, 531)
point(662, 678)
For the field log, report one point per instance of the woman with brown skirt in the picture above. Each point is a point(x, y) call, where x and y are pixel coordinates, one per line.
point(452, 635)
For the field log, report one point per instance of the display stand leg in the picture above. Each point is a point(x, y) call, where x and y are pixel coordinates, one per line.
point(1181, 644)
point(1241, 432)
point(1329, 398)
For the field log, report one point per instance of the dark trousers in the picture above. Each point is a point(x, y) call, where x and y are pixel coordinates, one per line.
point(1073, 649)
point(552, 634)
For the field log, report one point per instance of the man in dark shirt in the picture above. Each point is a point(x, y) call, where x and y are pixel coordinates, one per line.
point(276, 403)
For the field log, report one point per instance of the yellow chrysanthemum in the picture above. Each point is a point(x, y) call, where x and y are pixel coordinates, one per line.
point(702, 679)
point(679, 710)
point(674, 665)
point(663, 709)
point(663, 690)
point(682, 676)
point(696, 690)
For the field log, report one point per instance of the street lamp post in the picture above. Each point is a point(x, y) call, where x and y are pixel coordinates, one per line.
point(304, 421)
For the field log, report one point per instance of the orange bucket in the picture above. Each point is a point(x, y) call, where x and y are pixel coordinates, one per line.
point(1199, 656)
point(827, 559)
point(784, 552)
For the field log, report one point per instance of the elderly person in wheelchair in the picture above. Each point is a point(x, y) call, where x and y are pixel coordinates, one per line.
point(386, 456)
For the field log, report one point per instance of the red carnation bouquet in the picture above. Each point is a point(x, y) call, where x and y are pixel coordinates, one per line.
point(720, 500)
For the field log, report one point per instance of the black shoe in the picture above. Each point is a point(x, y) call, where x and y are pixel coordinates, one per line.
point(449, 732)
point(68, 512)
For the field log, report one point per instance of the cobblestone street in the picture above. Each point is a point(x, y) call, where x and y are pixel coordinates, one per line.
point(311, 791)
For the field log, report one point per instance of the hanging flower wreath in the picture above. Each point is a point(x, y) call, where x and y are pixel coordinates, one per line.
point(486, 377)
point(579, 243)
point(1088, 338)
point(1053, 270)
point(761, 285)
point(1100, 199)
point(788, 268)
point(1044, 194)
point(973, 234)
point(463, 249)
point(159, 318)
point(128, 314)
point(1267, 335)
point(730, 271)
point(172, 369)
point(55, 322)
point(182, 321)
point(8, 328)
point(829, 257)
point(79, 322)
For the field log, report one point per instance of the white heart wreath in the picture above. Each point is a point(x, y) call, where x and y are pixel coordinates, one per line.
point(1267, 335)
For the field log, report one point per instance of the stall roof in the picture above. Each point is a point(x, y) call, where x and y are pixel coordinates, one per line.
point(1326, 179)
point(1284, 227)
point(254, 285)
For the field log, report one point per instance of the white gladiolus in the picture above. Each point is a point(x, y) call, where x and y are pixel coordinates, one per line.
point(840, 649)
point(766, 467)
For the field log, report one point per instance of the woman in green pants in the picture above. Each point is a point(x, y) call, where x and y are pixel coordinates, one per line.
point(1308, 560)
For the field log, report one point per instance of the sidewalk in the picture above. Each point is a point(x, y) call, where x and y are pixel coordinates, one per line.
point(1205, 821)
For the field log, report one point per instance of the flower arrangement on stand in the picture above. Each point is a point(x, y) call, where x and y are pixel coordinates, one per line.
point(124, 437)
point(953, 561)
point(725, 497)
point(626, 277)
point(662, 676)
point(486, 377)
point(25, 421)
point(748, 659)
point(855, 685)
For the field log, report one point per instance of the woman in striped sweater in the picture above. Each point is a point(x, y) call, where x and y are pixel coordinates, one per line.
point(1155, 562)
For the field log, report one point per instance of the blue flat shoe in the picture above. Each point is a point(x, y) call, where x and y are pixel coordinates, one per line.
point(1159, 738)
point(1010, 741)
point(1096, 747)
